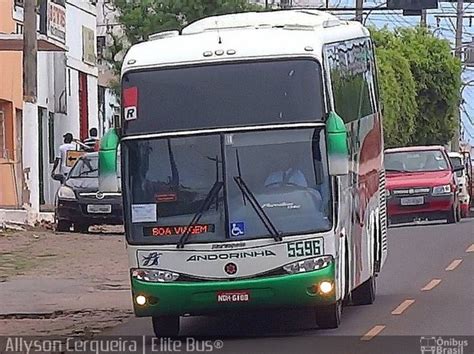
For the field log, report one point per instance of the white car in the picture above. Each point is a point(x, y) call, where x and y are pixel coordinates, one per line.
point(457, 159)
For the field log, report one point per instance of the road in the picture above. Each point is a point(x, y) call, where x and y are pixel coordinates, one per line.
point(425, 289)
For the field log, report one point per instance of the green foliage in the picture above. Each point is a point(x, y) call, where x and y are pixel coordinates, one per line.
point(420, 84)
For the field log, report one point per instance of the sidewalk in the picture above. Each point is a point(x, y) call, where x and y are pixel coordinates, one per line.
point(62, 284)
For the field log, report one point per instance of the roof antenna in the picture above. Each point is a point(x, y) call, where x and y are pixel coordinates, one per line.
point(218, 33)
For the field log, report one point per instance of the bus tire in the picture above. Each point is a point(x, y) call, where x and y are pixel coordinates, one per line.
point(166, 326)
point(329, 316)
point(364, 294)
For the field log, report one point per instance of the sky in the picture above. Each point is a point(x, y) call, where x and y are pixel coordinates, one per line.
point(444, 28)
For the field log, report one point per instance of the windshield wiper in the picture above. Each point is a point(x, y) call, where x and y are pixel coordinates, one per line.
point(277, 235)
point(205, 206)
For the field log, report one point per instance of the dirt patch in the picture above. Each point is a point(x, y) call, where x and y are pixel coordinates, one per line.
point(83, 277)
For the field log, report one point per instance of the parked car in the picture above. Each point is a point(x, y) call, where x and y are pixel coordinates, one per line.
point(421, 184)
point(457, 160)
point(78, 200)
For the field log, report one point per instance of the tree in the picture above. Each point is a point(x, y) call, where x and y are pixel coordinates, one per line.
point(420, 86)
point(397, 90)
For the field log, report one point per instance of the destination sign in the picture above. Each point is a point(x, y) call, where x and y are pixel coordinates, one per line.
point(173, 230)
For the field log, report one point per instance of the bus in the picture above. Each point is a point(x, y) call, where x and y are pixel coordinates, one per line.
point(251, 152)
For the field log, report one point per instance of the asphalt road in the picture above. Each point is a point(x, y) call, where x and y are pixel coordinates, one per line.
point(425, 289)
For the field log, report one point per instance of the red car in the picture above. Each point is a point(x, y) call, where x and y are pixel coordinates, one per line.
point(421, 184)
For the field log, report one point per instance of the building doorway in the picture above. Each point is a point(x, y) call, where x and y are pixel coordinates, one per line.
point(83, 106)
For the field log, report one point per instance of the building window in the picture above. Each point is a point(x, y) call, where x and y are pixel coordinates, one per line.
point(3, 143)
point(100, 47)
point(18, 28)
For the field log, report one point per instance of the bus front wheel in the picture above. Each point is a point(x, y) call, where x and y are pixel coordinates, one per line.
point(364, 294)
point(166, 326)
point(329, 316)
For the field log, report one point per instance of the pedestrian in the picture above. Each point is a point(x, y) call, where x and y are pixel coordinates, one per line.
point(92, 140)
point(61, 157)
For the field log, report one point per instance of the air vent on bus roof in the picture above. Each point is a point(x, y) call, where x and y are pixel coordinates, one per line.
point(161, 35)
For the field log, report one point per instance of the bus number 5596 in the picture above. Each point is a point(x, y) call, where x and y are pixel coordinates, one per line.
point(304, 248)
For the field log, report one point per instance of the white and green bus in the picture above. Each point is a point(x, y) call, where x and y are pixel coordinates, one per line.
point(252, 167)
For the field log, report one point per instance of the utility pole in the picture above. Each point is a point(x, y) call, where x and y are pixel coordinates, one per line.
point(30, 108)
point(423, 18)
point(359, 10)
point(458, 53)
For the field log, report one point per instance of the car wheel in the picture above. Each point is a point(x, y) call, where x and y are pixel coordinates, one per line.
point(166, 326)
point(329, 316)
point(63, 226)
point(81, 228)
point(451, 217)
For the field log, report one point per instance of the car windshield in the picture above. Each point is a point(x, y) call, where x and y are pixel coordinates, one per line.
point(456, 161)
point(168, 180)
point(416, 161)
point(88, 167)
point(85, 167)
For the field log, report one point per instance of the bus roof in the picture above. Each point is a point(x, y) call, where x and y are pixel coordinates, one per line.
point(244, 36)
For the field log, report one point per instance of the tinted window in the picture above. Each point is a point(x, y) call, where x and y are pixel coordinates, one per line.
point(224, 95)
point(352, 78)
point(457, 162)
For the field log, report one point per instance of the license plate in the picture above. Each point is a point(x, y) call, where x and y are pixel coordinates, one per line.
point(99, 208)
point(412, 201)
point(233, 296)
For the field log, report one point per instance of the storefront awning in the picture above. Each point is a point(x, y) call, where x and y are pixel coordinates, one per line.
point(14, 42)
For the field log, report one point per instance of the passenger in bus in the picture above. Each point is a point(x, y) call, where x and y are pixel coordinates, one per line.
point(286, 172)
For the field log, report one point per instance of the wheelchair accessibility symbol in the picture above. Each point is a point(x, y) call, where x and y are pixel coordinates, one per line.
point(237, 229)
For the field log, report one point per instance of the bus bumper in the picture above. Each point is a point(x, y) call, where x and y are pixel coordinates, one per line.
point(196, 298)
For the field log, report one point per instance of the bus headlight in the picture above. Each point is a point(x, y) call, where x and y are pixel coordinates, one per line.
point(308, 265)
point(154, 276)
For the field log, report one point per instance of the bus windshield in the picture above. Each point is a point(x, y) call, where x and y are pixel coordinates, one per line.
point(169, 180)
point(223, 95)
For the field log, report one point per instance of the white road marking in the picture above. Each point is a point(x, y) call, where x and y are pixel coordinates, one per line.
point(431, 284)
point(470, 248)
point(453, 265)
point(373, 332)
point(403, 306)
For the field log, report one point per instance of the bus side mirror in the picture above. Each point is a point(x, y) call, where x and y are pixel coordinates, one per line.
point(338, 152)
